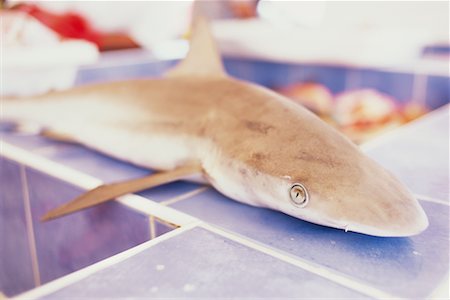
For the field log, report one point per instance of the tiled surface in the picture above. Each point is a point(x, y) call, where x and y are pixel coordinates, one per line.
point(438, 91)
point(162, 227)
point(403, 266)
point(268, 73)
point(16, 274)
point(169, 191)
point(276, 75)
point(99, 232)
point(408, 267)
point(199, 263)
point(95, 164)
point(419, 155)
point(442, 49)
point(26, 141)
point(110, 72)
point(397, 85)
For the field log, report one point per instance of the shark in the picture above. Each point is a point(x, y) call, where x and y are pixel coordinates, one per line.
point(248, 142)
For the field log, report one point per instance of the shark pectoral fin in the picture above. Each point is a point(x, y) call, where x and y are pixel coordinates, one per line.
point(203, 58)
point(108, 192)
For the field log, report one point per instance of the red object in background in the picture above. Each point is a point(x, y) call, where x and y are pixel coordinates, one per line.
point(75, 26)
point(69, 25)
point(243, 9)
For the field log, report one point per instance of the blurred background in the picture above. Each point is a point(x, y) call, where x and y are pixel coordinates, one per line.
point(364, 67)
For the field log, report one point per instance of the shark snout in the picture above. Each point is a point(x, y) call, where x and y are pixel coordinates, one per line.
point(388, 209)
point(370, 201)
point(405, 224)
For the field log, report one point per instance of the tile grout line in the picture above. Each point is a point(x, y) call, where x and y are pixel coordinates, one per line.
point(149, 207)
point(184, 196)
point(81, 274)
point(136, 202)
point(165, 223)
point(30, 230)
point(152, 227)
point(311, 267)
point(420, 86)
point(49, 167)
point(82, 180)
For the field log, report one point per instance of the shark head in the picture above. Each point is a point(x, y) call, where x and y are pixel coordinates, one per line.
point(340, 188)
point(376, 204)
point(359, 196)
point(279, 155)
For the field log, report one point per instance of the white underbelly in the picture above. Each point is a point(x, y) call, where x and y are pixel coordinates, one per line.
point(146, 149)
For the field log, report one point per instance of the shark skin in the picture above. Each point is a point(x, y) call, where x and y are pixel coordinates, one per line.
point(253, 145)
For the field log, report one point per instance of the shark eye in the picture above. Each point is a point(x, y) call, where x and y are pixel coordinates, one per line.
point(299, 195)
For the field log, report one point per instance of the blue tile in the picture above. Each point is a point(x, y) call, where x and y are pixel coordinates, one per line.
point(419, 155)
point(436, 49)
point(141, 64)
point(199, 263)
point(405, 267)
point(162, 227)
point(78, 240)
point(25, 141)
point(6, 126)
point(16, 274)
point(169, 191)
point(261, 72)
point(396, 84)
point(122, 71)
point(333, 77)
point(438, 91)
point(278, 75)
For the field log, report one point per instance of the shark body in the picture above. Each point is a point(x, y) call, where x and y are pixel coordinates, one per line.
point(253, 145)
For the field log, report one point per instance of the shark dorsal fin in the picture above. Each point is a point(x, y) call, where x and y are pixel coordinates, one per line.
point(203, 58)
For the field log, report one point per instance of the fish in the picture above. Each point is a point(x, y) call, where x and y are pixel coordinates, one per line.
point(250, 143)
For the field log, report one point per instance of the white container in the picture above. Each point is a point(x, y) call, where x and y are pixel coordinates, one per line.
point(34, 59)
